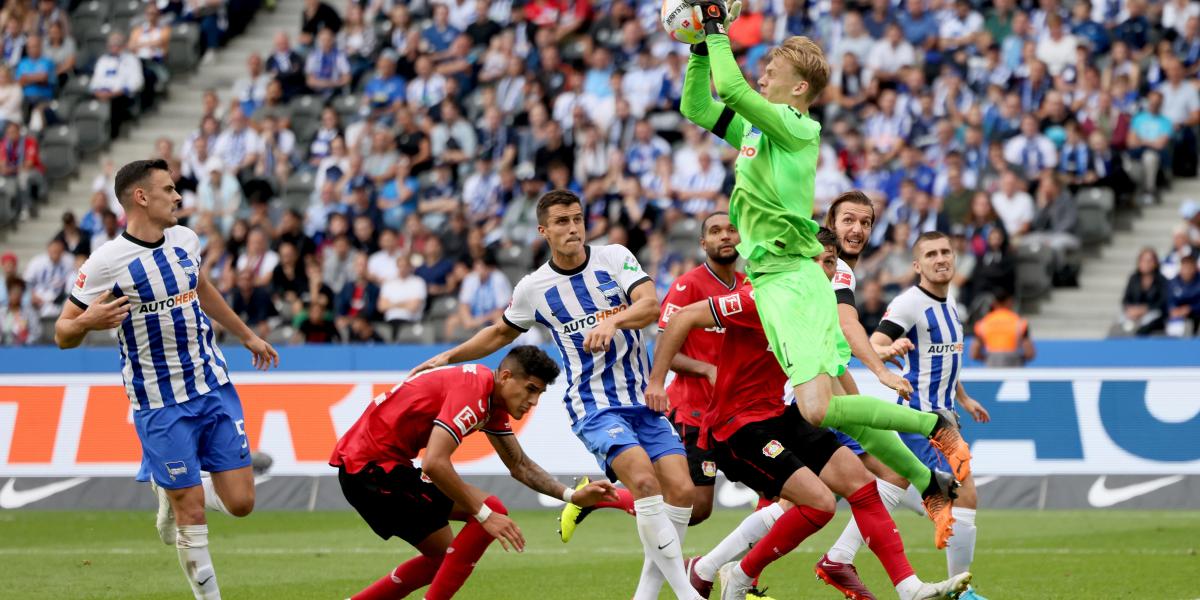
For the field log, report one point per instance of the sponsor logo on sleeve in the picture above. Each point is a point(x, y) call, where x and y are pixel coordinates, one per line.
point(731, 304)
point(79, 281)
point(841, 278)
point(466, 420)
point(669, 310)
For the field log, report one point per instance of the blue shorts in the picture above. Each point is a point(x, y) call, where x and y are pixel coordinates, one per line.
point(180, 440)
point(610, 432)
point(930, 456)
point(848, 442)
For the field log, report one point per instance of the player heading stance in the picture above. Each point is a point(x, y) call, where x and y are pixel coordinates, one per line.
point(772, 205)
point(694, 366)
point(433, 411)
point(927, 316)
point(595, 301)
point(188, 417)
point(769, 446)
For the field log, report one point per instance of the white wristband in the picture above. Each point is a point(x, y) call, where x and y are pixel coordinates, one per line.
point(483, 514)
point(568, 494)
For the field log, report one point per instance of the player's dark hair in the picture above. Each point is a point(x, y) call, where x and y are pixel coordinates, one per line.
point(134, 173)
point(928, 236)
point(826, 237)
point(704, 223)
point(531, 361)
point(850, 197)
point(555, 198)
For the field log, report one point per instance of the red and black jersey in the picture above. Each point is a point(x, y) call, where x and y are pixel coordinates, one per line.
point(396, 426)
point(750, 383)
point(690, 395)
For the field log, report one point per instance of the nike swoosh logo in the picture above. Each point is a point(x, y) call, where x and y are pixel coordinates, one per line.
point(680, 288)
point(1102, 496)
point(664, 545)
point(206, 580)
point(11, 497)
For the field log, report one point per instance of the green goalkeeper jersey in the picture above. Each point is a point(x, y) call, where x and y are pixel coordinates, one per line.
point(772, 200)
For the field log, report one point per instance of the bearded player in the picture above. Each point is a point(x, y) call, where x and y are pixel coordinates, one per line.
point(927, 316)
point(694, 366)
point(434, 411)
point(772, 206)
point(595, 300)
point(771, 448)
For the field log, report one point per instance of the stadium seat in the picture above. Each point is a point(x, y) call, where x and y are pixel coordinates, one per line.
point(443, 307)
point(127, 11)
point(8, 202)
point(297, 192)
point(1097, 196)
point(91, 122)
point(347, 107)
point(75, 92)
point(306, 118)
point(93, 44)
point(183, 54)
point(417, 333)
point(1094, 225)
point(515, 255)
point(60, 153)
point(384, 331)
point(687, 229)
point(89, 16)
point(1033, 272)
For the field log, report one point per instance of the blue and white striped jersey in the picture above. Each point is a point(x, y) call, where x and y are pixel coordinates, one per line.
point(935, 363)
point(569, 303)
point(168, 355)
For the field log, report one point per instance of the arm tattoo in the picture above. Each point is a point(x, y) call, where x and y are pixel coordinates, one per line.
point(525, 470)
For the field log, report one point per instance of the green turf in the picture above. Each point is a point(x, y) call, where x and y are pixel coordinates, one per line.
point(284, 555)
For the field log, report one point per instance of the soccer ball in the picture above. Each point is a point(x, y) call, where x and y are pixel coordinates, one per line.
point(678, 22)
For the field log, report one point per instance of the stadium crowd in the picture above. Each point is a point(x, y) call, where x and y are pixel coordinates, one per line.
point(373, 177)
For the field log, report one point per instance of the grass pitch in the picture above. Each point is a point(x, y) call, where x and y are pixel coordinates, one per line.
point(330, 555)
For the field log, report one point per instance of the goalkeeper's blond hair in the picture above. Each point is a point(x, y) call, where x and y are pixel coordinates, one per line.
point(807, 58)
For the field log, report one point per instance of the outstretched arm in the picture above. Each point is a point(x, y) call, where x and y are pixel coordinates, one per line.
point(523, 469)
point(699, 106)
point(782, 123)
point(862, 348)
point(487, 341)
point(692, 316)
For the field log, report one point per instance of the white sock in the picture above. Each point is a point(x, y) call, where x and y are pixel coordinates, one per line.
point(651, 581)
point(211, 500)
point(960, 549)
point(661, 544)
point(739, 541)
point(191, 542)
point(851, 540)
point(909, 587)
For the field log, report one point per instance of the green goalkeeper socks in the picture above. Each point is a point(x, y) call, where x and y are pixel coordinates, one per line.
point(887, 447)
point(846, 411)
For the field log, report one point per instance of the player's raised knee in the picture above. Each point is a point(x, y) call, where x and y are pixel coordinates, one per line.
point(242, 505)
point(644, 485)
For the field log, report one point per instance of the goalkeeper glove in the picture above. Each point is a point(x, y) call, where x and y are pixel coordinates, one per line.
point(713, 14)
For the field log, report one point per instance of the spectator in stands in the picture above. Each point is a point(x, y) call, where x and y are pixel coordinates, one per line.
point(1144, 304)
point(117, 79)
point(316, 17)
point(437, 270)
point(315, 325)
point(453, 140)
point(274, 163)
point(1002, 337)
point(22, 167)
point(871, 305)
point(1183, 299)
point(363, 332)
point(286, 65)
point(326, 70)
point(1013, 205)
point(218, 194)
point(250, 90)
point(357, 39)
point(1181, 246)
point(289, 281)
point(358, 296)
point(251, 301)
point(238, 146)
point(336, 261)
point(74, 240)
point(384, 91)
point(46, 276)
point(1149, 142)
point(402, 297)
point(61, 49)
point(8, 270)
point(12, 98)
point(19, 323)
point(439, 35)
point(258, 259)
point(892, 265)
point(996, 268)
point(381, 267)
point(427, 88)
point(150, 41)
point(484, 294)
point(36, 74)
point(91, 221)
point(696, 194)
point(1031, 151)
point(1057, 212)
point(1181, 104)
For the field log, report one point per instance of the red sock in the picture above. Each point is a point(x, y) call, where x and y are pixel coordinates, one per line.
point(787, 533)
point(624, 502)
point(407, 578)
point(763, 503)
point(879, 530)
point(464, 552)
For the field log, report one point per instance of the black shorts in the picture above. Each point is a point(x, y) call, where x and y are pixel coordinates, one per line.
point(400, 503)
point(701, 463)
point(763, 455)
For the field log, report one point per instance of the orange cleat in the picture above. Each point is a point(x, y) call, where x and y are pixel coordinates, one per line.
point(947, 439)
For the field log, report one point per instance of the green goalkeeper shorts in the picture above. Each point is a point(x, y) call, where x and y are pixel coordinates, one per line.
point(799, 316)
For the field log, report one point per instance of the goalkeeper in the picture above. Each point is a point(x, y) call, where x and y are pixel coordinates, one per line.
point(772, 207)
